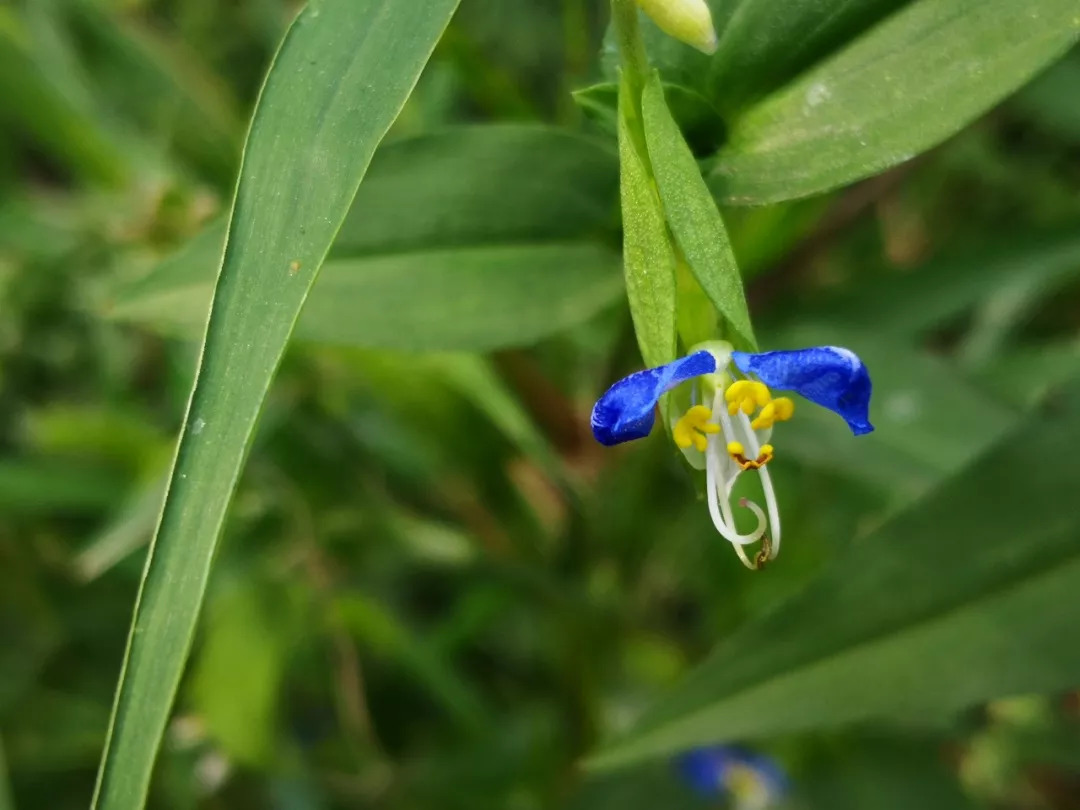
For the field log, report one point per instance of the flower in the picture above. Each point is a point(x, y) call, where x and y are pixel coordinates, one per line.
point(753, 781)
point(726, 417)
point(687, 20)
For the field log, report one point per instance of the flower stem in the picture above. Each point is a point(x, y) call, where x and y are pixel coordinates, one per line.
point(635, 62)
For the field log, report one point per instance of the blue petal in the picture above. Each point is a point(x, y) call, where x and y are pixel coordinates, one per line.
point(832, 377)
point(703, 769)
point(706, 770)
point(626, 411)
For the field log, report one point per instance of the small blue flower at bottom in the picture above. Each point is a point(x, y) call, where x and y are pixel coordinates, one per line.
point(728, 425)
point(752, 780)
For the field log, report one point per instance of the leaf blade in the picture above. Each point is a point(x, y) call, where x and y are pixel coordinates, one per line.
point(691, 213)
point(469, 299)
point(769, 42)
point(485, 237)
point(341, 76)
point(905, 86)
point(648, 260)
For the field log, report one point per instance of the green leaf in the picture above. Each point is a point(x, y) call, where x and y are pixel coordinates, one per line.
point(769, 42)
point(903, 306)
point(692, 214)
point(648, 258)
point(1024, 375)
point(903, 87)
point(168, 91)
point(479, 185)
point(955, 580)
point(342, 75)
point(470, 298)
point(698, 119)
point(55, 116)
point(130, 528)
point(491, 254)
point(34, 486)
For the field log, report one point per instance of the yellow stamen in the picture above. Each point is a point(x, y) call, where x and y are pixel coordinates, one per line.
point(692, 426)
point(785, 408)
point(779, 410)
point(765, 418)
point(748, 389)
point(747, 396)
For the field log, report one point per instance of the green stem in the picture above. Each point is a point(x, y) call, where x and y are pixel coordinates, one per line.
point(635, 62)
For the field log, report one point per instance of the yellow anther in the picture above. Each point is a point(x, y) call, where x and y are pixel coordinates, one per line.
point(758, 392)
point(766, 418)
point(747, 396)
point(779, 410)
point(785, 408)
point(735, 449)
point(692, 427)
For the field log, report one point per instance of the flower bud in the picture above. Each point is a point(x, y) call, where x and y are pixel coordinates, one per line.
point(686, 20)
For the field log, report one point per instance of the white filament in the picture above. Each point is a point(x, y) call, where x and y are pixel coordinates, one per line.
point(718, 488)
point(719, 483)
point(766, 485)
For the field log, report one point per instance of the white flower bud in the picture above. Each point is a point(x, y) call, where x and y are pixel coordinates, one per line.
point(686, 20)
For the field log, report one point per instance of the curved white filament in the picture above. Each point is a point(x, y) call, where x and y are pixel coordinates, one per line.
point(766, 485)
point(720, 507)
point(718, 488)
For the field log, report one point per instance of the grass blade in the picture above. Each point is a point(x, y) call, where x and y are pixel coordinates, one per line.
point(339, 80)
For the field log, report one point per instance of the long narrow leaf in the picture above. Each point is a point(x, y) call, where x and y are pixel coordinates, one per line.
point(342, 75)
point(691, 212)
point(648, 260)
point(491, 253)
point(903, 87)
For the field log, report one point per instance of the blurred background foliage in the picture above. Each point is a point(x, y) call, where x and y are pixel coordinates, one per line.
point(435, 590)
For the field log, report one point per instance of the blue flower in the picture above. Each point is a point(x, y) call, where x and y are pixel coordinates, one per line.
point(832, 377)
point(753, 780)
point(627, 410)
point(726, 419)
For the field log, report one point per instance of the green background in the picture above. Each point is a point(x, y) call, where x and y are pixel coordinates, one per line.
point(432, 588)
